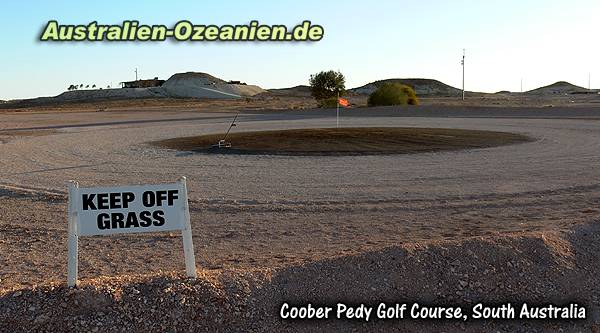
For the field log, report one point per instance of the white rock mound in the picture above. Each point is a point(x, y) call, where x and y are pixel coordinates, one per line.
point(202, 85)
point(181, 85)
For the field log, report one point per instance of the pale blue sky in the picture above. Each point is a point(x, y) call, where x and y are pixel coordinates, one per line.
point(541, 41)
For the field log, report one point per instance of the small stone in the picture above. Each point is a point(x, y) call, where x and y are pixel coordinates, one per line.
point(39, 319)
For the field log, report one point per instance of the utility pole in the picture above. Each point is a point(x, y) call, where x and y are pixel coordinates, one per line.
point(136, 77)
point(463, 75)
point(590, 81)
point(521, 85)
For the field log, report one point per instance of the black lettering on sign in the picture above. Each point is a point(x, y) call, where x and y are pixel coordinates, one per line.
point(172, 196)
point(145, 219)
point(103, 201)
point(103, 221)
point(117, 220)
point(148, 199)
point(123, 200)
point(128, 198)
point(113, 200)
point(159, 198)
point(159, 218)
point(88, 201)
point(132, 220)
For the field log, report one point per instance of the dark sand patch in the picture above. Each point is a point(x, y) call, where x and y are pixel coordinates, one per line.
point(346, 141)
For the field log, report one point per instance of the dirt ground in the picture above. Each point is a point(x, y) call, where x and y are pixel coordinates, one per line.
point(513, 223)
point(261, 236)
point(345, 141)
point(527, 267)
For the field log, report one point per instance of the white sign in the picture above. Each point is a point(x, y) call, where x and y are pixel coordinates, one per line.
point(113, 210)
point(128, 209)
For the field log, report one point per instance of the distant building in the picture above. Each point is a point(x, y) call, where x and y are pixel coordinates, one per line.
point(143, 83)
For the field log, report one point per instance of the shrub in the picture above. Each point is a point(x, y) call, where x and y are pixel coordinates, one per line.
point(393, 94)
point(327, 103)
point(326, 85)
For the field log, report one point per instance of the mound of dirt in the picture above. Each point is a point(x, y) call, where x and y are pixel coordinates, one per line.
point(202, 85)
point(538, 268)
point(297, 91)
point(558, 88)
point(423, 87)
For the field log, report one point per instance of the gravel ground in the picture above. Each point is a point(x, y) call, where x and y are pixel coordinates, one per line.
point(281, 213)
point(535, 268)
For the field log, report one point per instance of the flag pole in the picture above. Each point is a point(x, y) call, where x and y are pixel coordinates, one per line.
point(337, 112)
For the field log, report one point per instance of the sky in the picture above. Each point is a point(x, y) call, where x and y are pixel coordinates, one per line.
point(536, 41)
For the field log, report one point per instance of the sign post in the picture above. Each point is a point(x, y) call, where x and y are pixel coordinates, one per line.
point(73, 242)
point(188, 245)
point(128, 209)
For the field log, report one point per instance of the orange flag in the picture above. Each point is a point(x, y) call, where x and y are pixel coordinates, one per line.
point(343, 102)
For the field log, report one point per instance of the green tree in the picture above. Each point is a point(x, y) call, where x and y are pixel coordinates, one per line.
point(393, 94)
point(327, 85)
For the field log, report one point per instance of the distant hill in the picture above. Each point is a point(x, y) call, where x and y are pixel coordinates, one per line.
point(558, 88)
point(300, 91)
point(180, 85)
point(423, 87)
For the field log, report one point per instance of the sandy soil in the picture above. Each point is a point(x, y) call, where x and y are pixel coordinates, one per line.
point(344, 141)
point(282, 213)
